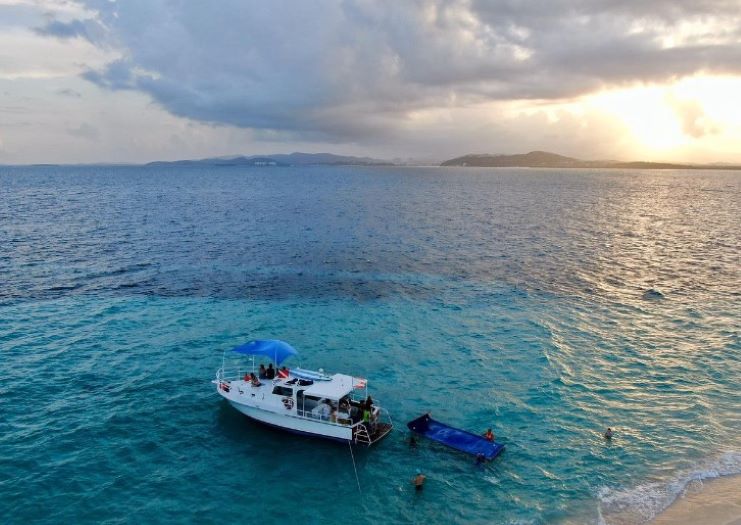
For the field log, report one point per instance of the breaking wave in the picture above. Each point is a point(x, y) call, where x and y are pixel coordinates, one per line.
point(641, 504)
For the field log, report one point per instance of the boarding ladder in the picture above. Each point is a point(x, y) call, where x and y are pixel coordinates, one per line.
point(362, 435)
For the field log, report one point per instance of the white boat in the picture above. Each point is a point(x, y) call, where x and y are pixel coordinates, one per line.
point(305, 402)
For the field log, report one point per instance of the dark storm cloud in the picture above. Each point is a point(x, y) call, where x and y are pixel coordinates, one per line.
point(88, 29)
point(116, 75)
point(350, 70)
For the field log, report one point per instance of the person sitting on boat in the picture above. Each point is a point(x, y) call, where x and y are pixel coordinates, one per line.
point(489, 435)
point(270, 372)
point(254, 380)
point(283, 373)
point(262, 372)
point(324, 409)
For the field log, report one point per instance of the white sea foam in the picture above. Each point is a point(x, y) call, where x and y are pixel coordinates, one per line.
point(643, 503)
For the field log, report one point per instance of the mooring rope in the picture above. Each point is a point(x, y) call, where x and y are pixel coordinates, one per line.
point(349, 443)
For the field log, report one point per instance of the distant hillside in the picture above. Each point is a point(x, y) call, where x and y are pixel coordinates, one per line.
point(534, 159)
point(544, 159)
point(324, 159)
point(281, 159)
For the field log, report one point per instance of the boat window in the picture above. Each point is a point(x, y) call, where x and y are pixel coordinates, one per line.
point(283, 391)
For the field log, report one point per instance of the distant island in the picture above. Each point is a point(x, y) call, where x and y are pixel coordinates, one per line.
point(281, 159)
point(534, 159)
point(544, 159)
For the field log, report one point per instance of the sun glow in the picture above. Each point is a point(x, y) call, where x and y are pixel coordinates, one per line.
point(669, 120)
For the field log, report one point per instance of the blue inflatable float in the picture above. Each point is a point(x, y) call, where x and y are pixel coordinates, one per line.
point(455, 438)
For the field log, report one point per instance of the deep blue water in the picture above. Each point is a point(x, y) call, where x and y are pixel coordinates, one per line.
point(547, 304)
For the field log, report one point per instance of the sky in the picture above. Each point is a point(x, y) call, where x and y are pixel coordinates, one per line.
point(142, 80)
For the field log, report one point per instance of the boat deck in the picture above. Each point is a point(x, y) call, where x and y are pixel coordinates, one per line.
point(377, 433)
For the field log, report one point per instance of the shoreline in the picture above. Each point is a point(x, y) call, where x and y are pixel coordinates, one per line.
point(716, 501)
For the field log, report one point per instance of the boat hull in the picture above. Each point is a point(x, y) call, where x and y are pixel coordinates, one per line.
point(294, 424)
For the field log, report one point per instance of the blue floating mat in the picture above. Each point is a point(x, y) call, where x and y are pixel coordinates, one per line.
point(455, 438)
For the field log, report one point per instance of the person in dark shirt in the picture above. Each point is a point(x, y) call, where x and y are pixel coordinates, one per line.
point(270, 372)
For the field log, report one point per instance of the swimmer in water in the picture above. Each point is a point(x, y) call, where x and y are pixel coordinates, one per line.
point(608, 433)
point(480, 459)
point(419, 480)
point(412, 442)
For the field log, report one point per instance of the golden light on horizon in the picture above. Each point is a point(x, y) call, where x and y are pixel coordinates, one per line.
point(671, 120)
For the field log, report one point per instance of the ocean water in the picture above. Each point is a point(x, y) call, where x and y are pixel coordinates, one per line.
point(547, 304)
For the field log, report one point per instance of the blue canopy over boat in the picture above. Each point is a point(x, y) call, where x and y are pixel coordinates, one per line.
point(455, 438)
point(275, 349)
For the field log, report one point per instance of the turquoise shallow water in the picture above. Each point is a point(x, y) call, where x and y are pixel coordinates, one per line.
point(546, 304)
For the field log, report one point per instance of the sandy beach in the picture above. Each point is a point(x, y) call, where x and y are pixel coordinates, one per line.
point(716, 502)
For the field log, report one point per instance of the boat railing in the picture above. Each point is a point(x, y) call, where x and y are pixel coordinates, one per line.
point(231, 373)
point(345, 422)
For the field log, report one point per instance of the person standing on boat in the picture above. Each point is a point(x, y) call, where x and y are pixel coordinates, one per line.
point(270, 372)
point(262, 373)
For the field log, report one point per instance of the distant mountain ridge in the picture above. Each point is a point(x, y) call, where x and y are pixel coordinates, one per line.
point(544, 159)
point(280, 159)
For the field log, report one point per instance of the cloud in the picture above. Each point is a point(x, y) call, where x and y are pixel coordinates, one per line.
point(346, 71)
point(84, 131)
point(692, 118)
point(66, 92)
point(358, 71)
point(115, 75)
point(75, 28)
